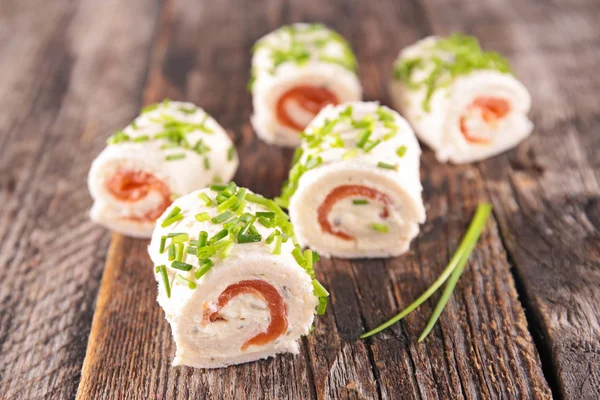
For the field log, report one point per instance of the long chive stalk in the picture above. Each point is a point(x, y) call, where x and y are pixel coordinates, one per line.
point(463, 252)
point(446, 294)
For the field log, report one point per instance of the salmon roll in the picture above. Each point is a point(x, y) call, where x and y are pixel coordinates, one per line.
point(463, 102)
point(234, 284)
point(354, 190)
point(296, 71)
point(171, 149)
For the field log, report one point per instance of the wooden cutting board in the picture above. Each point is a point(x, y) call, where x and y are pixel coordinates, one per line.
point(480, 347)
point(74, 71)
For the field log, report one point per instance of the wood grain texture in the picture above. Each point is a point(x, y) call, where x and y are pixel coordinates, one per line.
point(482, 347)
point(546, 192)
point(70, 72)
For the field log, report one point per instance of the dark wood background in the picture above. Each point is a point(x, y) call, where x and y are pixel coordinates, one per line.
point(524, 321)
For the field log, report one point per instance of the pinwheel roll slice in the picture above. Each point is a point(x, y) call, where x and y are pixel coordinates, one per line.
point(354, 190)
point(171, 149)
point(232, 282)
point(296, 71)
point(463, 102)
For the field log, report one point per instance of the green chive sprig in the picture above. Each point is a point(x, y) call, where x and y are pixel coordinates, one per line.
point(452, 271)
point(162, 269)
point(185, 282)
point(384, 165)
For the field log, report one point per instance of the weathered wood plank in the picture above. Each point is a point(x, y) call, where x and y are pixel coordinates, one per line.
point(481, 347)
point(546, 192)
point(70, 72)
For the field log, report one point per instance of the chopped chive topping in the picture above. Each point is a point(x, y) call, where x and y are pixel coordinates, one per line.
point(230, 189)
point(222, 217)
point(454, 269)
point(206, 163)
point(401, 151)
point(180, 238)
point(165, 278)
point(380, 227)
point(322, 306)
point(320, 291)
point(241, 207)
point(231, 153)
point(247, 217)
point(217, 187)
point(222, 243)
point(219, 235)
point(309, 263)
point(180, 248)
point(203, 216)
point(381, 164)
point(366, 122)
point(149, 108)
point(163, 242)
point(267, 223)
point(246, 226)
point(226, 250)
point(181, 265)
point(297, 154)
point(202, 239)
point(316, 257)
point(277, 249)
point(228, 204)
point(350, 154)
point(232, 222)
point(250, 238)
point(371, 145)
point(142, 138)
point(271, 237)
point(347, 113)
point(297, 253)
point(384, 115)
point(176, 210)
point(185, 282)
point(185, 110)
point(241, 194)
point(172, 157)
point(338, 142)
point(172, 220)
point(362, 139)
point(204, 266)
point(360, 202)
point(266, 214)
point(445, 60)
point(171, 251)
point(313, 162)
point(207, 201)
point(237, 228)
point(221, 197)
point(258, 199)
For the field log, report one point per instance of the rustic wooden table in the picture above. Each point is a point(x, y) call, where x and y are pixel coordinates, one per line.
point(524, 321)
